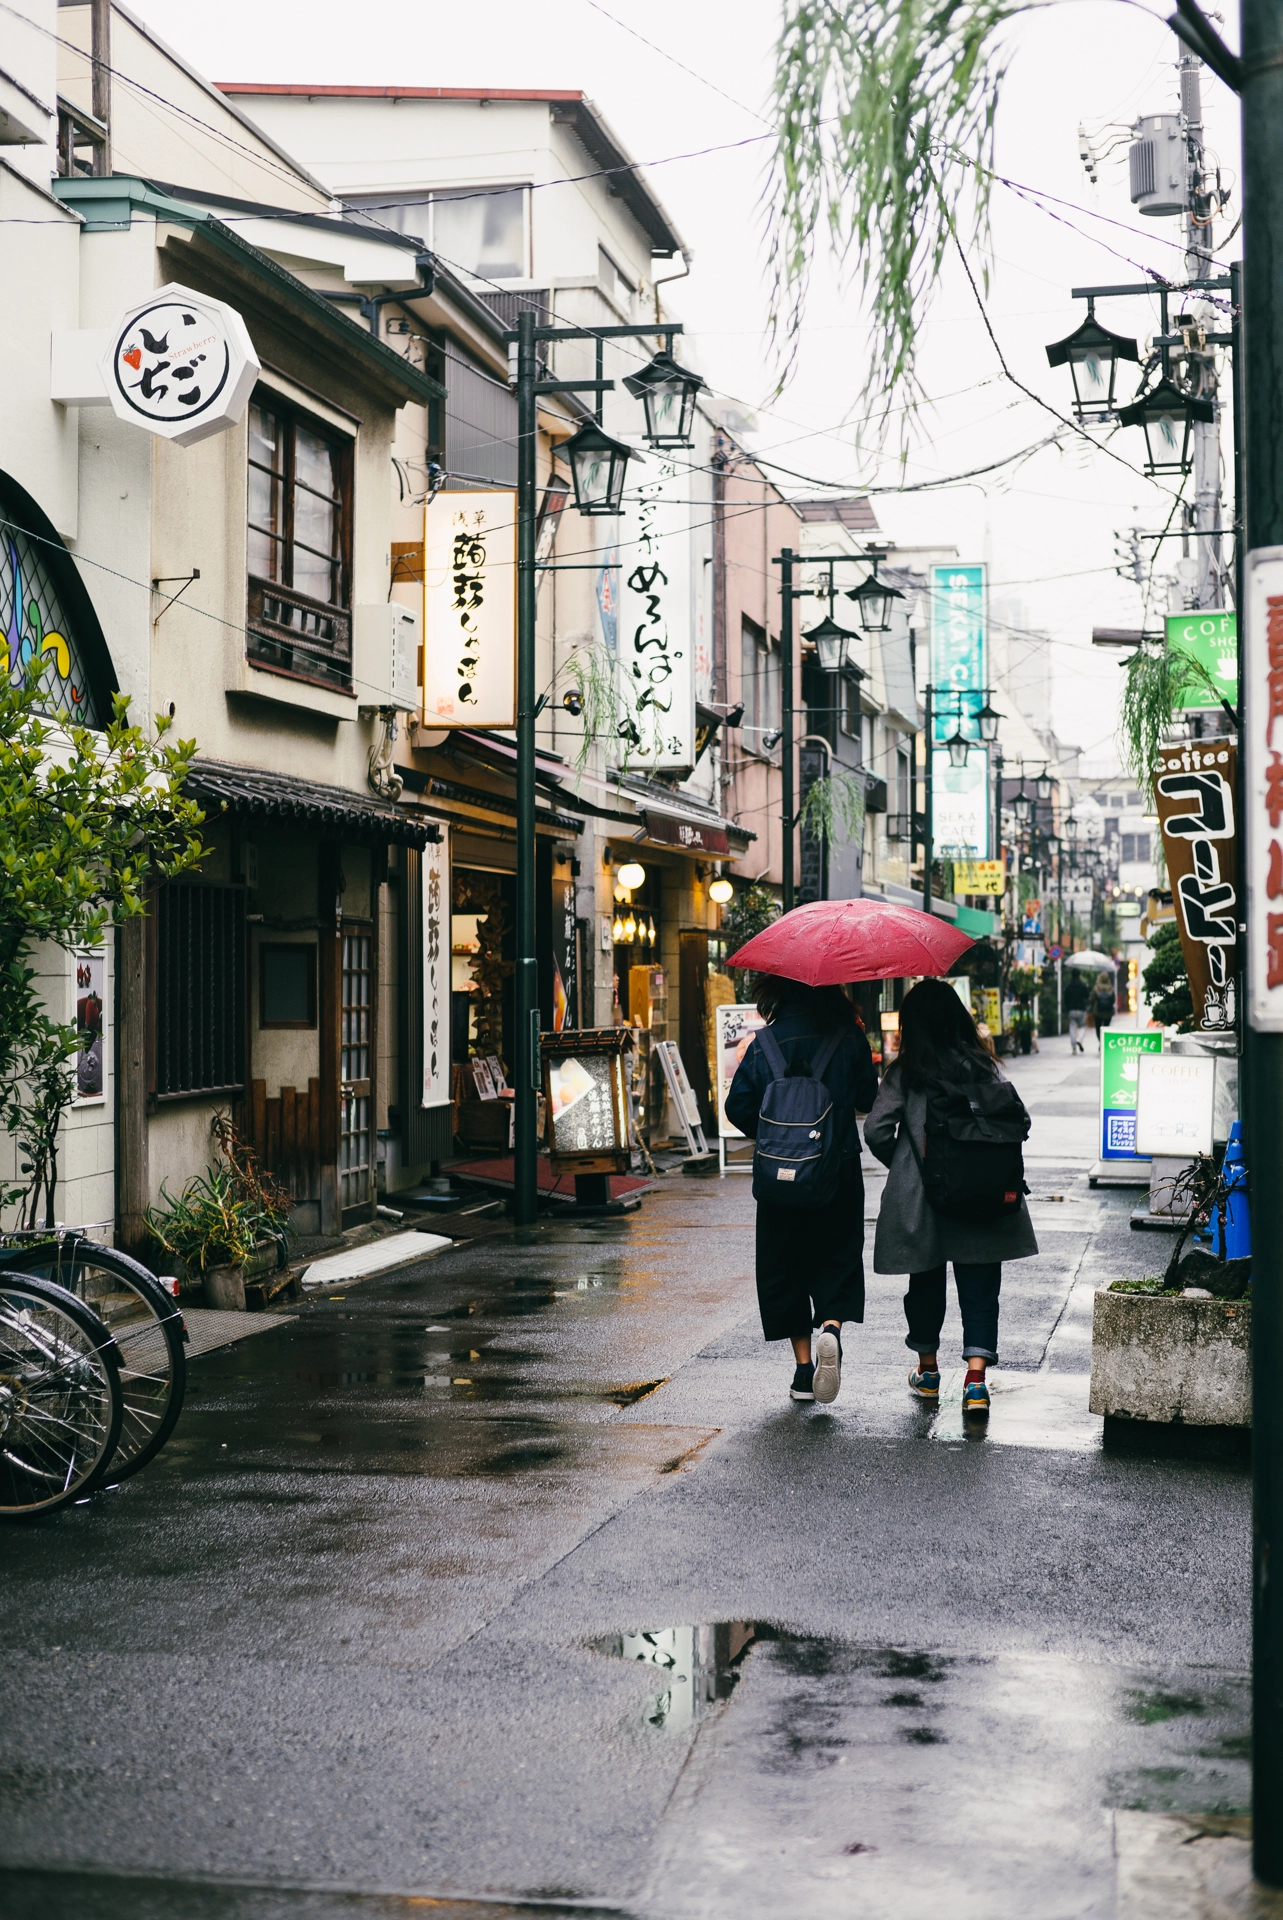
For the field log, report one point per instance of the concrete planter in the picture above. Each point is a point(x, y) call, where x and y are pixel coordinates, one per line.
point(1172, 1360)
point(224, 1287)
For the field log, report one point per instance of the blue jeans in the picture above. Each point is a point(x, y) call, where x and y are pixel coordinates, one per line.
point(977, 1297)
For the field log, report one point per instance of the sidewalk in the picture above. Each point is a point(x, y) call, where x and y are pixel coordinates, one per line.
point(403, 1551)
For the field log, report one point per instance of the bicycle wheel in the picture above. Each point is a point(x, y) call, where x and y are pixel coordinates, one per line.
point(60, 1399)
point(148, 1330)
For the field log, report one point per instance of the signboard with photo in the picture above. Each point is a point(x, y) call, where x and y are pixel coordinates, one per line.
point(470, 609)
point(583, 1102)
point(961, 806)
point(1194, 790)
point(736, 1025)
point(1120, 1051)
point(91, 998)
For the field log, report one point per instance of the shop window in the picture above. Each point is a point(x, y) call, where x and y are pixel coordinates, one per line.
point(1135, 846)
point(287, 985)
point(759, 686)
point(199, 1002)
point(482, 230)
point(300, 515)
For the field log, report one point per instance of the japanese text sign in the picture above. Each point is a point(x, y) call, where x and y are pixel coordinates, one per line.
point(1194, 792)
point(181, 365)
point(470, 610)
point(979, 876)
point(958, 648)
point(647, 606)
point(1263, 786)
point(1211, 638)
point(1120, 1051)
point(736, 1025)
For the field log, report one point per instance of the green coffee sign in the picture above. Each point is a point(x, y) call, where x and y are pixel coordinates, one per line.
point(1211, 639)
point(1120, 1047)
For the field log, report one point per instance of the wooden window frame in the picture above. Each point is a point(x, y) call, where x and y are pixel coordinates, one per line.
point(291, 633)
point(159, 1052)
point(287, 946)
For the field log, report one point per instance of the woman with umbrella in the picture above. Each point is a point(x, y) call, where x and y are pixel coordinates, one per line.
point(810, 1263)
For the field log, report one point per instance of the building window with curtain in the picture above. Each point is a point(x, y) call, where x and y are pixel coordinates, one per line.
point(759, 688)
point(199, 1001)
point(300, 542)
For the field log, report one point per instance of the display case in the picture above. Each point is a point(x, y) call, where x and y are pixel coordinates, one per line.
point(587, 1099)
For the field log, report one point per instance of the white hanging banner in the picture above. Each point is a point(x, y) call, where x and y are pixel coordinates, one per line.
point(1262, 744)
point(470, 610)
point(434, 877)
point(655, 651)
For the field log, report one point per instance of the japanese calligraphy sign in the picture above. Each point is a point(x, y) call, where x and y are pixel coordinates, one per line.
point(434, 869)
point(651, 600)
point(958, 647)
point(979, 876)
point(1263, 785)
point(470, 610)
point(1194, 790)
point(181, 365)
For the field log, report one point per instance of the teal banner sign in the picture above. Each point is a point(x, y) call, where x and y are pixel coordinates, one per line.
point(958, 647)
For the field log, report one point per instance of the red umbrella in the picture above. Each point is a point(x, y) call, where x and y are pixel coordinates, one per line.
point(829, 942)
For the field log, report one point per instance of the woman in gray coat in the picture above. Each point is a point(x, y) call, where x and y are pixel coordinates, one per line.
point(938, 1043)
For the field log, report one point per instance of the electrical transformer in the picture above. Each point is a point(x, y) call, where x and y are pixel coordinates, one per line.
point(1159, 165)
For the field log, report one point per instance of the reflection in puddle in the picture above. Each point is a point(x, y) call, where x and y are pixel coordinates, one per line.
point(700, 1665)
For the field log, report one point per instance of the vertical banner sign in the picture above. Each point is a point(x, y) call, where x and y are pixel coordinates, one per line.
point(656, 653)
point(1211, 638)
point(565, 988)
point(1263, 786)
point(1120, 1050)
point(91, 998)
point(1194, 788)
point(960, 804)
point(434, 875)
point(958, 647)
point(470, 610)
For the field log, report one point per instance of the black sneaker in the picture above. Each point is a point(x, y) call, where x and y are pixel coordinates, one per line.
point(802, 1388)
point(827, 1378)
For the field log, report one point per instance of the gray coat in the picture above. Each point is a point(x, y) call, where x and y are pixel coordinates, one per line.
point(911, 1235)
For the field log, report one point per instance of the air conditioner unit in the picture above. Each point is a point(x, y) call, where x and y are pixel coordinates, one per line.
point(386, 667)
point(405, 659)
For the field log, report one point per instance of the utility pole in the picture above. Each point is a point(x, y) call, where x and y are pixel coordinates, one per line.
point(1201, 364)
point(786, 724)
point(526, 1051)
point(928, 806)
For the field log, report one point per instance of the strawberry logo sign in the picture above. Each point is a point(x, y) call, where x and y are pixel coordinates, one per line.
point(181, 365)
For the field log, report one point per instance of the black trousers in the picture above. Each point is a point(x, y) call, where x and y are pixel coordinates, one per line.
point(978, 1289)
point(810, 1261)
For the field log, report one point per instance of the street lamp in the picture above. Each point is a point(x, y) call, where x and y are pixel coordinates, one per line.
point(873, 599)
point(1043, 786)
point(834, 644)
point(1092, 354)
point(1168, 417)
point(959, 746)
point(721, 891)
point(1022, 806)
point(632, 875)
point(988, 718)
point(668, 393)
point(598, 464)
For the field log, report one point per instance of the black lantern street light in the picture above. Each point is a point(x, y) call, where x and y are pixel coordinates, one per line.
point(1043, 786)
point(987, 718)
point(598, 466)
point(959, 746)
point(873, 599)
point(1092, 354)
point(1022, 806)
point(1167, 416)
point(668, 394)
point(834, 645)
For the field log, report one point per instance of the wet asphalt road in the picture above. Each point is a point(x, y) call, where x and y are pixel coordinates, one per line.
point(369, 1634)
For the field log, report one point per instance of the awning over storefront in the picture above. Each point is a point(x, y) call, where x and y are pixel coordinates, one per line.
point(692, 833)
point(219, 786)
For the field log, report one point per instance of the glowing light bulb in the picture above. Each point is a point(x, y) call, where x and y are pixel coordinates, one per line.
point(630, 929)
point(617, 931)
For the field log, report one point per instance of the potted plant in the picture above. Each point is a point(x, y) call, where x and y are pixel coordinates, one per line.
point(1022, 1025)
point(226, 1217)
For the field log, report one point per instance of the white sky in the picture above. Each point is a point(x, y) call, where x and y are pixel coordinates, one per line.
point(1048, 531)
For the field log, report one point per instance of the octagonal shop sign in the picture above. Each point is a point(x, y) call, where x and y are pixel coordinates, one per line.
point(181, 365)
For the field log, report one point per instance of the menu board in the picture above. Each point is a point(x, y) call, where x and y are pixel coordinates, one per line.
point(1120, 1051)
point(736, 1025)
point(1175, 1102)
point(583, 1101)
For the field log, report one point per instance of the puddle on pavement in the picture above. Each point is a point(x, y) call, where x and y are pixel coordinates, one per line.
point(700, 1665)
point(1041, 1410)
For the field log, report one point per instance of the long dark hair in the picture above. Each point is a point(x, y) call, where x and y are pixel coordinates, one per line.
point(937, 1033)
point(827, 1007)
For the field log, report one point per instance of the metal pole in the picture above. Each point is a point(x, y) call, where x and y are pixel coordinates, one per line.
point(1262, 97)
point(1207, 433)
point(526, 997)
point(786, 722)
point(928, 815)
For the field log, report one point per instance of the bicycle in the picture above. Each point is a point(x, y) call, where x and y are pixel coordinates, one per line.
point(137, 1311)
point(61, 1400)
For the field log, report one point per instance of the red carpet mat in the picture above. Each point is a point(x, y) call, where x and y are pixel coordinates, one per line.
point(498, 1173)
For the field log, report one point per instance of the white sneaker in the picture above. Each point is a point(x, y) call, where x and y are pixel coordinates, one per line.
point(828, 1364)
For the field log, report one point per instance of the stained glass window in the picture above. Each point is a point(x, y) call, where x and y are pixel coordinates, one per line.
point(34, 624)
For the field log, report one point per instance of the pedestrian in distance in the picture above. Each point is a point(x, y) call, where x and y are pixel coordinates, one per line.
point(1103, 1003)
point(949, 1126)
point(1077, 994)
point(796, 1094)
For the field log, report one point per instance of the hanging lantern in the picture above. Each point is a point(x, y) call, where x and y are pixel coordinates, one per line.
point(1168, 417)
point(988, 718)
point(1092, 353)
point(1043, 786)
point(1022, 806)
point(650, 931)
point(617, 931)
point(630, 929)
point(959, 747)
point(598, 465)
point(835, 646)
point(873, 599)
point(721, 892)
point(632, 875)
point(668, 393)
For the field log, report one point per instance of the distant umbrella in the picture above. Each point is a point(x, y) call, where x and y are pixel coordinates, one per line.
point(1090, 958)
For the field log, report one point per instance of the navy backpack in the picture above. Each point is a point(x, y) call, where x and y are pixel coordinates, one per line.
point(798, 1152)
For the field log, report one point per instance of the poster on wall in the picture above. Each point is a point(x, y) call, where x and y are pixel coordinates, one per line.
point(434, 873)
point(736, 1025)
point(1194, 790)
point(1120, 1051)
point(565, 985)
point(958, 648)
point(91, 998)
point(1263, 787)
point(644, 614)
point(960, 809)
point(470, 609)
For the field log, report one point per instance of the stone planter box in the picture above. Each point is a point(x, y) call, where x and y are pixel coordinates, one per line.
point(1172, 1360)
point(224, 1287)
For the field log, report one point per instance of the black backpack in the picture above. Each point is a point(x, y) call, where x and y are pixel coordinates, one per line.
point(797, 1156)
point(973, 1168)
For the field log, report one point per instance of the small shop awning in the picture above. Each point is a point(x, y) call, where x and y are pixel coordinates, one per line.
point(253, 791)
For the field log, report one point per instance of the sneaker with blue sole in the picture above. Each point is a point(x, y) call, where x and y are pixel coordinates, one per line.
point(828, 1364)
point(924, 1383)
point(975, 1397)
